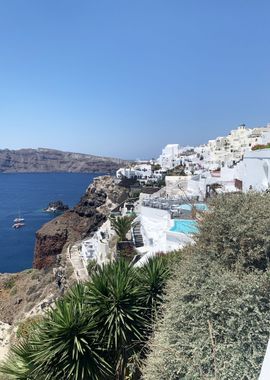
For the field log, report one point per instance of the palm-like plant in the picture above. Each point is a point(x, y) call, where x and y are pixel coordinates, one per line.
point(152, 277)
point(107, 319)
point(18, 365)
point(64, 346)
point(121, 225)
point(114, 301)
point(77, 294)
point(67, 346)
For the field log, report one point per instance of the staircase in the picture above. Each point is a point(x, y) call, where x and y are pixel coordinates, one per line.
point(137, 235)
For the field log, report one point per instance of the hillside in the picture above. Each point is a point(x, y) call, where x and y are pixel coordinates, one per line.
point(44, 160)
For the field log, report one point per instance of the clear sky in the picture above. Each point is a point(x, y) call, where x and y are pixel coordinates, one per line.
point(125, 77)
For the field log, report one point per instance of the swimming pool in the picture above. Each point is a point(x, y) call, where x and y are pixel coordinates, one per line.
point(185, 226)
point(199, 207)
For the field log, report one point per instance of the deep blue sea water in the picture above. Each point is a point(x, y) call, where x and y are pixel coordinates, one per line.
point(27, 195)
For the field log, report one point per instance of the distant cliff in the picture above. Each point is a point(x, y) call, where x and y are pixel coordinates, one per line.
point(48, 160)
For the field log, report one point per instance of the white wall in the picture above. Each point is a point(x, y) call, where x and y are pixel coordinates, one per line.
point(256, 170)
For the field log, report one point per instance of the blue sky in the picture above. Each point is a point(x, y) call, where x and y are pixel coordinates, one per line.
point(125, 77)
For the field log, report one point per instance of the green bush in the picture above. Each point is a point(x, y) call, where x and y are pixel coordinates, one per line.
point(216, 324)
point(9, 283)
point(91, 266)
point(236, 231)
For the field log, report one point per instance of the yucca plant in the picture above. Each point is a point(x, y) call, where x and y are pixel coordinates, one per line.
point(67, 346)
point(114, 302)
point(77, 294)
point(152, 278)
point(64, 346)
point(18, 365)
point(121, 225)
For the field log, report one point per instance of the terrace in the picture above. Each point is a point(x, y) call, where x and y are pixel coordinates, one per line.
point(177, 207)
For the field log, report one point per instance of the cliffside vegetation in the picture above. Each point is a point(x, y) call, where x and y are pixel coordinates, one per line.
point(98, 331)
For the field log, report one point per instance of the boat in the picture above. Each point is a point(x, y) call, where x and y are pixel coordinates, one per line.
point(18, 220)
point(18, 225)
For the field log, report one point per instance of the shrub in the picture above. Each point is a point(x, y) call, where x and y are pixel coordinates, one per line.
point(261, 146)
point(236, 231)
point(91, 266)
point(9, 283)
point(216, 324)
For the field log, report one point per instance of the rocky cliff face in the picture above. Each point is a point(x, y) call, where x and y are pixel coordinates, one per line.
point(48, 160)
point(76, 224)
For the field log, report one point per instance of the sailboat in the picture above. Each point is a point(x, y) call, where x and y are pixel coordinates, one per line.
point(18, 222)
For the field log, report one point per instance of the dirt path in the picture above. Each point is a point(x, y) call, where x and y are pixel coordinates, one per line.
point(80, 271)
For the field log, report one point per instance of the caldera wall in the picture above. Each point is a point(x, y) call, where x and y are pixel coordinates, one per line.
point(76, 224)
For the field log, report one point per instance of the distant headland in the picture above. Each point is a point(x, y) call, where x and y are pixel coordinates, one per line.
point(43, 160)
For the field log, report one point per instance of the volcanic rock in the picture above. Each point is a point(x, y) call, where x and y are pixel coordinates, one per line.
point(78, 223)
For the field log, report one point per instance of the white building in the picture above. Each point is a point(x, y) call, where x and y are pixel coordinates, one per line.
point(142, 171)
point(231, 149)
point(255, 170)
point(170, 156)
point(98, 246)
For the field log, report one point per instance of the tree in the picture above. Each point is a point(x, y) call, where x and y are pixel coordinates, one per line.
point(121, 225)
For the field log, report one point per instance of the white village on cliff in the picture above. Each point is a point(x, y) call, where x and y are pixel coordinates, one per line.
point(165, 219)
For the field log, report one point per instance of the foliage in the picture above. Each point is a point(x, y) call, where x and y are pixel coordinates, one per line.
point(153, 278)
point(113, 299)
point(63, 346)
point(236, 231)
point(9, 283)
point(91, 266)
point(216, 324)
point(26, 327)
point(127, 253)
point(121, 225)
point(177, 171)
point(155, 167)
point(97, 331)
point(261, 146)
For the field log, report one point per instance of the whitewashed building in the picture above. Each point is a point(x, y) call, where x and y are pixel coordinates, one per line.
point(98, 247)
point(142, 171)
point(170, 156)
point(255, 170)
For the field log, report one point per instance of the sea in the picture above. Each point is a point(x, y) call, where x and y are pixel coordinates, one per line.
point(26, 195)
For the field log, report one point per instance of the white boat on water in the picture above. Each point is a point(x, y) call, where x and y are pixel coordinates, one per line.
point(18, 225)
point(18, 220)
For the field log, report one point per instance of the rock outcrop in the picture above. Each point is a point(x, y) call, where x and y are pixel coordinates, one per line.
point(57, 206)
point(81, 221)
point(49, 160)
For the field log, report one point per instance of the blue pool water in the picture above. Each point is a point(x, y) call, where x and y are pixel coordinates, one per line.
point(199, 207)
point(185, 226)
point(29, 194)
